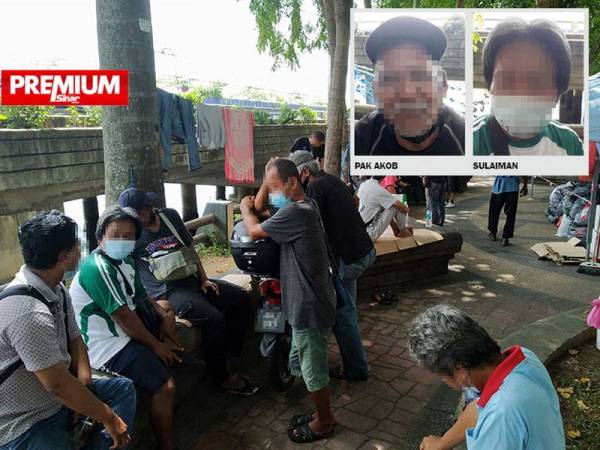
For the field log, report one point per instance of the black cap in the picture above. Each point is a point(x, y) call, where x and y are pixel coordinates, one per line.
point(406, 30)
point(135, 198)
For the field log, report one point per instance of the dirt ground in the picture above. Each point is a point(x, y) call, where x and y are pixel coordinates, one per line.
point(217, 266)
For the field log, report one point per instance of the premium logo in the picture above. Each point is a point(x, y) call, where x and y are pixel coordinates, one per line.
point(65, 87)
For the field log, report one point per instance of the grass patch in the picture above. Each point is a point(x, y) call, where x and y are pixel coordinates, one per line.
point(577, 379)
point(212, 245)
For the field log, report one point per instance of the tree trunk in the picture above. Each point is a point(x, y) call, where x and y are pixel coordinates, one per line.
point(130, 134)
point(460, 3)
point(368, 4)
point(90, 215)
point(337, 15)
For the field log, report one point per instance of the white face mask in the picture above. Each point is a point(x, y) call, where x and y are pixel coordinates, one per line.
point(522, 116)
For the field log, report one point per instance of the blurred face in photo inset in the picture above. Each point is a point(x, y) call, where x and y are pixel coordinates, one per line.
point(410, 87)
point(523, 89)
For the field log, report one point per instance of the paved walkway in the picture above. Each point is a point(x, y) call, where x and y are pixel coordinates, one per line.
point(503, 288)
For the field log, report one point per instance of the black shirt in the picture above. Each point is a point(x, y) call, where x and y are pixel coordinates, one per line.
point(374, 136)
point(302, 143)
point(346, 231)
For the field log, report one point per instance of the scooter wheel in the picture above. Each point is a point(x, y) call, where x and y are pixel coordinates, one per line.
point(279, 366)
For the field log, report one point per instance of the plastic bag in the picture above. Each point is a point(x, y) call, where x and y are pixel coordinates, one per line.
point(593, 318)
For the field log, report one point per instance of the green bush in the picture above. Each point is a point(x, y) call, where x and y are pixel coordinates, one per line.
point(286, 114)
point(24, 116)
point(262, 117)
point(306, 115)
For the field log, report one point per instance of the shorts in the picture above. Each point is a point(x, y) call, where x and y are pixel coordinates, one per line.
point(138, 363)
point(308, 357)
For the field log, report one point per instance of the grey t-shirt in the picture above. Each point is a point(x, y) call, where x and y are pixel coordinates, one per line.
point(31, 332)
point(308, 294)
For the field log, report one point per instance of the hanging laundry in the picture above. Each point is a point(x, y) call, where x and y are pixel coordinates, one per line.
point(239, 146)
point(167, 107)
point(186, 130)
point(211, 130)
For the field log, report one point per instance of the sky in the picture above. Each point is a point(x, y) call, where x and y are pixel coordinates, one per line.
point(213, 40)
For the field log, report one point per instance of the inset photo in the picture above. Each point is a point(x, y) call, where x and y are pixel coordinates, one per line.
point(408, 87)
point(529, 77)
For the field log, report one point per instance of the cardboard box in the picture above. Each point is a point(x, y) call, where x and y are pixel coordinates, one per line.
point(561, 252)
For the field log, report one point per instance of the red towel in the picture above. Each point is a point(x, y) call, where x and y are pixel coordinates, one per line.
point(239, 146)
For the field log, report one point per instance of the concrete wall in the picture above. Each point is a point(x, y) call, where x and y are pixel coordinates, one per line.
point(41, 167)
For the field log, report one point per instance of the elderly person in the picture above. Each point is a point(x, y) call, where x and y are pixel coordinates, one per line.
point(410, 86)
point(518, 407)
point(527, 67)
point(125, 331)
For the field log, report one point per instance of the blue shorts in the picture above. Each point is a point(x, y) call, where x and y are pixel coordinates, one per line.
point(138, 363)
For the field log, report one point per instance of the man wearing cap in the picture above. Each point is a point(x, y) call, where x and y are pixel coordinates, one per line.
point(222, 310)
point(347, 235)
point(410, 86)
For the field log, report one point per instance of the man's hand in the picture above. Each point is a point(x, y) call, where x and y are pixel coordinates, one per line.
point(165, 354)
point(117, 430)
point(169, 331)
point(432, 443)
point(247, 204)
point(207, 284)
point(524, 191)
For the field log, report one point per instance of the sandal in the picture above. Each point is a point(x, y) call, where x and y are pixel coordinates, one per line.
point(301, 419)
point(303, 434)
point(247, 389)
point(382, 298)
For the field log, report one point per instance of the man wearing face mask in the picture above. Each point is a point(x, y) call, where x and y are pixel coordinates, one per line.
point(517, 408)
point(107, 293)
point(410, 86)
point(527, 67)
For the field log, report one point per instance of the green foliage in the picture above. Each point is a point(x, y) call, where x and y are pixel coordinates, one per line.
point(300, 35)
point(200, 93)
point(262, 117)
point(213, 246)
point(74, 117)
point(306, 115)
point(94, 118)
point(286, 114)
point(24, 116)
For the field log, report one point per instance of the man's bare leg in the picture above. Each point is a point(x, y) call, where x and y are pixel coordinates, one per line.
point(161, 415)
point(323, 420)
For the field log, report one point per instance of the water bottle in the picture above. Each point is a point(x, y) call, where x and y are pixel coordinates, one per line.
point(428, 219)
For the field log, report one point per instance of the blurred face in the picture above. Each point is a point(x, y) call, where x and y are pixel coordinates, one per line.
point(410, 88)
point(459, 380)
point(314, 141)
point(69, 259)
point(275, 184)
point(119, 230)
point(145, 216)
point(523, 89)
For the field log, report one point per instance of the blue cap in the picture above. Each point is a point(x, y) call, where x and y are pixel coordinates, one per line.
point(135, 198)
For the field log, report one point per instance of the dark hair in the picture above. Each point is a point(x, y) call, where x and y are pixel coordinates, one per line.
point(286, 169)
point(443, 338)
point(318, 135)
point(542, 32)
point(117, 212)
point(43, 237)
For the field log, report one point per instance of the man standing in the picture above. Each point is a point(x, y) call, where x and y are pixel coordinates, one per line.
point(45, 373)
point(435, 196)
point(505, 194)
point(315, 143)
point(309, 298)
point(354, 251)
point(410, 86)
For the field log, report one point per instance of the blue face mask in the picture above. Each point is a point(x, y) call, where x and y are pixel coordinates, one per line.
point(278, 200)
point(118, 249)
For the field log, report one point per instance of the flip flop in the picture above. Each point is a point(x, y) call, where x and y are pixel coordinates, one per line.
point(247, 389)
point(301, 419)
point(303, 434)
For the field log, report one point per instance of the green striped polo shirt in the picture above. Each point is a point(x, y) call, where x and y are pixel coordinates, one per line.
point(555, 140)
point(98, 291)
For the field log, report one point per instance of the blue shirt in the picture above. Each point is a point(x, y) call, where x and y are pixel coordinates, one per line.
point(518, 408)
point(506, 184)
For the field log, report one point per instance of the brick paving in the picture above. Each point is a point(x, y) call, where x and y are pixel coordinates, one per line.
point(503, 288)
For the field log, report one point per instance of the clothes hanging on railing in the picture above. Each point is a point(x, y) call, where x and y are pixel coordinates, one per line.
point(239, 146)
point(211, 128)
point(177, 124)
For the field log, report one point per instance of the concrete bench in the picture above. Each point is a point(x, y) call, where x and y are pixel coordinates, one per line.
point(419, 257)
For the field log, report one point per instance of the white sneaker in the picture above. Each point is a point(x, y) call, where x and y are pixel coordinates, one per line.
point(450, 205)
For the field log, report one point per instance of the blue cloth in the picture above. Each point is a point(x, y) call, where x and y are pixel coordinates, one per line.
point(594, 86)
point(347, 333)
point(506, 184)
point(53, 432)
point(524, 414)
point(176, 117)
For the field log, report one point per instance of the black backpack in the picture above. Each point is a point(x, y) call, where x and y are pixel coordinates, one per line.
point(28, 291)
